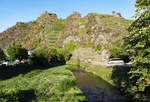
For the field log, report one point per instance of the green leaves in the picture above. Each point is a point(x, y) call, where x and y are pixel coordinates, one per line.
point(17, 52)
point(138, 45)
point(142, 5)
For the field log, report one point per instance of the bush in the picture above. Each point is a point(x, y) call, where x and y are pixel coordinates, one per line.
point(57, 56)
point(119, 53)
point(41, 57)
point(48, 56)
point(17, 52)
point(118, 50)
point(71, 46)
point(99, 47)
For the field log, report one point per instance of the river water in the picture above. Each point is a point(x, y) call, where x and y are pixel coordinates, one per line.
point(96, 89)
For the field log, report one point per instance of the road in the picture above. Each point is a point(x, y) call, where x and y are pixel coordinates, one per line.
point(108, 65)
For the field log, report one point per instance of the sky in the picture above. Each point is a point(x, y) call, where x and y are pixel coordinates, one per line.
point(12, 11)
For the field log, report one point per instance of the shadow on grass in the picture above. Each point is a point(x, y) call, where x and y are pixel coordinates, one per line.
point(12, 95)
point(120, 75)
point(12, 71)
point(27, 95)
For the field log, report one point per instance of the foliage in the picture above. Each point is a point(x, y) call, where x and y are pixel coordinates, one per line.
point(17, 52)
point(118, 50)
point(48, 56)
point(71, 46)
point(142, 5)
point(138, 47)
point(119, 14)
point(36, 42)
point(99, 47)
point(2, 54)
point(41, 57)
point(57, 56)
point(66, 53)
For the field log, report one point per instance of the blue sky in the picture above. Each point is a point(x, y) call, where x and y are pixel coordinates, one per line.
point(12, 11)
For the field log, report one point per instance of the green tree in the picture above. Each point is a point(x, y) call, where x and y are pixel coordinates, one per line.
point(2, 54)
point(138, 47)
point(17, 52)
point(142, 5)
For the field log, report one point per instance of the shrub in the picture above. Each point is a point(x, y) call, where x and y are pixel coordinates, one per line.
point(57, 56)
point(119, 53)
point(36, 42)
point(99, 47)
point(17, 52)
point(71, 46)
point(48, 56)
point(41, 57)
point(119, 14)
point(118, 50)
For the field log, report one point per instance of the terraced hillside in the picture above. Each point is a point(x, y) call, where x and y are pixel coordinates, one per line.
point(95, 31)
point(39, 33)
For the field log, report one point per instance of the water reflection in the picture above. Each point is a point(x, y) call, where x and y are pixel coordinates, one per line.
point(96, 89)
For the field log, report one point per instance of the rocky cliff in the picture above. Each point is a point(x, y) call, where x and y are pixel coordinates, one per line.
point(96, 32)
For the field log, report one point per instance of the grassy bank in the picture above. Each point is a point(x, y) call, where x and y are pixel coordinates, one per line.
point(101, 71)
point(56, 84)
point(116, 76)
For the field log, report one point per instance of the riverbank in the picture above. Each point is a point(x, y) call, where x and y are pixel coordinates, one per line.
point(102, 71)
point(114, 75)
point(96, 89)
point(51, 84)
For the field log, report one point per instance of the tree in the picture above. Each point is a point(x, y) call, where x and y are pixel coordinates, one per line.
point(17, 52)
point(119, 14)
point(2, 55)
point(142, 5)
point(138, 47)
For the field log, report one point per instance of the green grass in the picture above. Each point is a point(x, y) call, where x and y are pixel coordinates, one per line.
point(55, 84)
point(103, 72)
point(116, 76)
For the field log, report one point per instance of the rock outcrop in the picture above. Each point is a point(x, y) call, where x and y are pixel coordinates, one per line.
point(94, 31)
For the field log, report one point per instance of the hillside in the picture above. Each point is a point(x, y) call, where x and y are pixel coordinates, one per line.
point(41, 32)
point(94, 33)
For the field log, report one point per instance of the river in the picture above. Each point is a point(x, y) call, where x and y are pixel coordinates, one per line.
point(96, 89)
